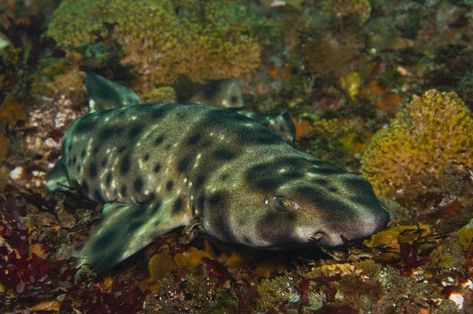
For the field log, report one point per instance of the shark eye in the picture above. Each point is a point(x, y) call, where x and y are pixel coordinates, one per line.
point(284, 204)
point(265, 200)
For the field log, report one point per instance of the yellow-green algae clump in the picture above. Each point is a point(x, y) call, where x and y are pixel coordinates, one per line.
point(165, 39)
point(431, 134)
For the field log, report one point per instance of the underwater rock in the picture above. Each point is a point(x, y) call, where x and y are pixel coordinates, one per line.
point(163, 40)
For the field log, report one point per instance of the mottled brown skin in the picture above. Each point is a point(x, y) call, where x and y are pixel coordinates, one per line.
point(158, 167)
point(225, 93)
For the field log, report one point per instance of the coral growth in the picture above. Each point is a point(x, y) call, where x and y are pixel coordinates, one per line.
point(59, 77)
point(360, 10)
point(167, 39)
point(12, 110)
point(348, 132)
point(4, 143)
point(329, 53)
point(451, 254)
point(340, 67)
point(165, 94)
point(425, 139)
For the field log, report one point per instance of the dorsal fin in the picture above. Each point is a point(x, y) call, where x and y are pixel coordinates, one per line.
point(105, 94)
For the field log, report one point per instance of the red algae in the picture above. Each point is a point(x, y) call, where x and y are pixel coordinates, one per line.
point(347, 71)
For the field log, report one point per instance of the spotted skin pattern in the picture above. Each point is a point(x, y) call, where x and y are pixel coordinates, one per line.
point(158, 167)
point(279, 123)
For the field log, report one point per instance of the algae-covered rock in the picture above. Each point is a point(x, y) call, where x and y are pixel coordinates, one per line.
point(276, 291)
point(360, 10)
point(165, 94)
point(163, 40)
point(431, 134)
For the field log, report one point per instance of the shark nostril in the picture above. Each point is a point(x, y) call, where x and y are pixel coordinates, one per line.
point(318, 236)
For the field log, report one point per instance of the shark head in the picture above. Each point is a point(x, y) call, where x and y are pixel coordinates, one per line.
point(293, 200)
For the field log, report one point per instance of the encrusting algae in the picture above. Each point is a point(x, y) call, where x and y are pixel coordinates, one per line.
point(359, 9)
point(428, 136)
point(11, 111)
point(339, 67)
point(163, 40)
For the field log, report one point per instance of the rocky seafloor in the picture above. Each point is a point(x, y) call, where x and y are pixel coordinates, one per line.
point(382, 88)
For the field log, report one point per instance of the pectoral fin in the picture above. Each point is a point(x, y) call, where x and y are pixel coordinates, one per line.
point(124, 230)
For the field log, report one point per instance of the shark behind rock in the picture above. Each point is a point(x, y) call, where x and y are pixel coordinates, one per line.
point(279, 123)
point(226, 93)
point(161, 166)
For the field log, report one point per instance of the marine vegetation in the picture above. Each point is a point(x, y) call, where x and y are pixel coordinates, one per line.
point(359, 10)
point(426, 138)
point(163, 40)
point(340, 73)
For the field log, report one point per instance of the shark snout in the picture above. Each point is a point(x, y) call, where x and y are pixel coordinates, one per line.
point(338, 232)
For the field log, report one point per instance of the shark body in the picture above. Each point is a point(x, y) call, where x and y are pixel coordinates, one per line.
point(156, 167)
